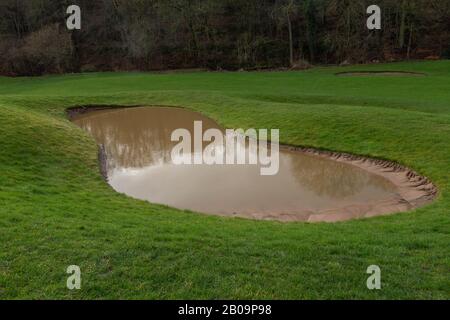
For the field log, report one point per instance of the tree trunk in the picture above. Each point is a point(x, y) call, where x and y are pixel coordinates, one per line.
point(291, 42)
point(401, 37)
point(408, 54)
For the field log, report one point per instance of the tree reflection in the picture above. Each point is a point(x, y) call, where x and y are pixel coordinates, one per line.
point(139, 139)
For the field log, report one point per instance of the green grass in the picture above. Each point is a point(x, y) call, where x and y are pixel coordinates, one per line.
point(55, 209)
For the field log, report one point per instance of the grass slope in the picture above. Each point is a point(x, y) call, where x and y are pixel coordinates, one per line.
point(55, 209)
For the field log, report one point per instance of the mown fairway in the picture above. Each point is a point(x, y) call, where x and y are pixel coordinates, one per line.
point(56, 210)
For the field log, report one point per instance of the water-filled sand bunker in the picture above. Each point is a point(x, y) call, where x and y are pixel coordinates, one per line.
point(380, 74)
point(311, 185)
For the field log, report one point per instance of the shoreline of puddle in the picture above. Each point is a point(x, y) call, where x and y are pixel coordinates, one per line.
point(415, 190)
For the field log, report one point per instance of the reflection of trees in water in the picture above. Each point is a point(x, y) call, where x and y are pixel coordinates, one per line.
point(136, 138)
point(331, 178)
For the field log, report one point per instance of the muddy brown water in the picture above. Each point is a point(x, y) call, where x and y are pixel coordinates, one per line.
point(138, 145)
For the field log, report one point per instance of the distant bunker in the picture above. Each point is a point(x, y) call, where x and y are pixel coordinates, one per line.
point(380, 74)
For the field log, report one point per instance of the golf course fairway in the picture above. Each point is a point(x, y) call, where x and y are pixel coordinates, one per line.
point(56, 210)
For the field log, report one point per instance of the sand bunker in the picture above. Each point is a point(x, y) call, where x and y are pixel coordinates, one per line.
point(311, 185)
point(380, 74)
